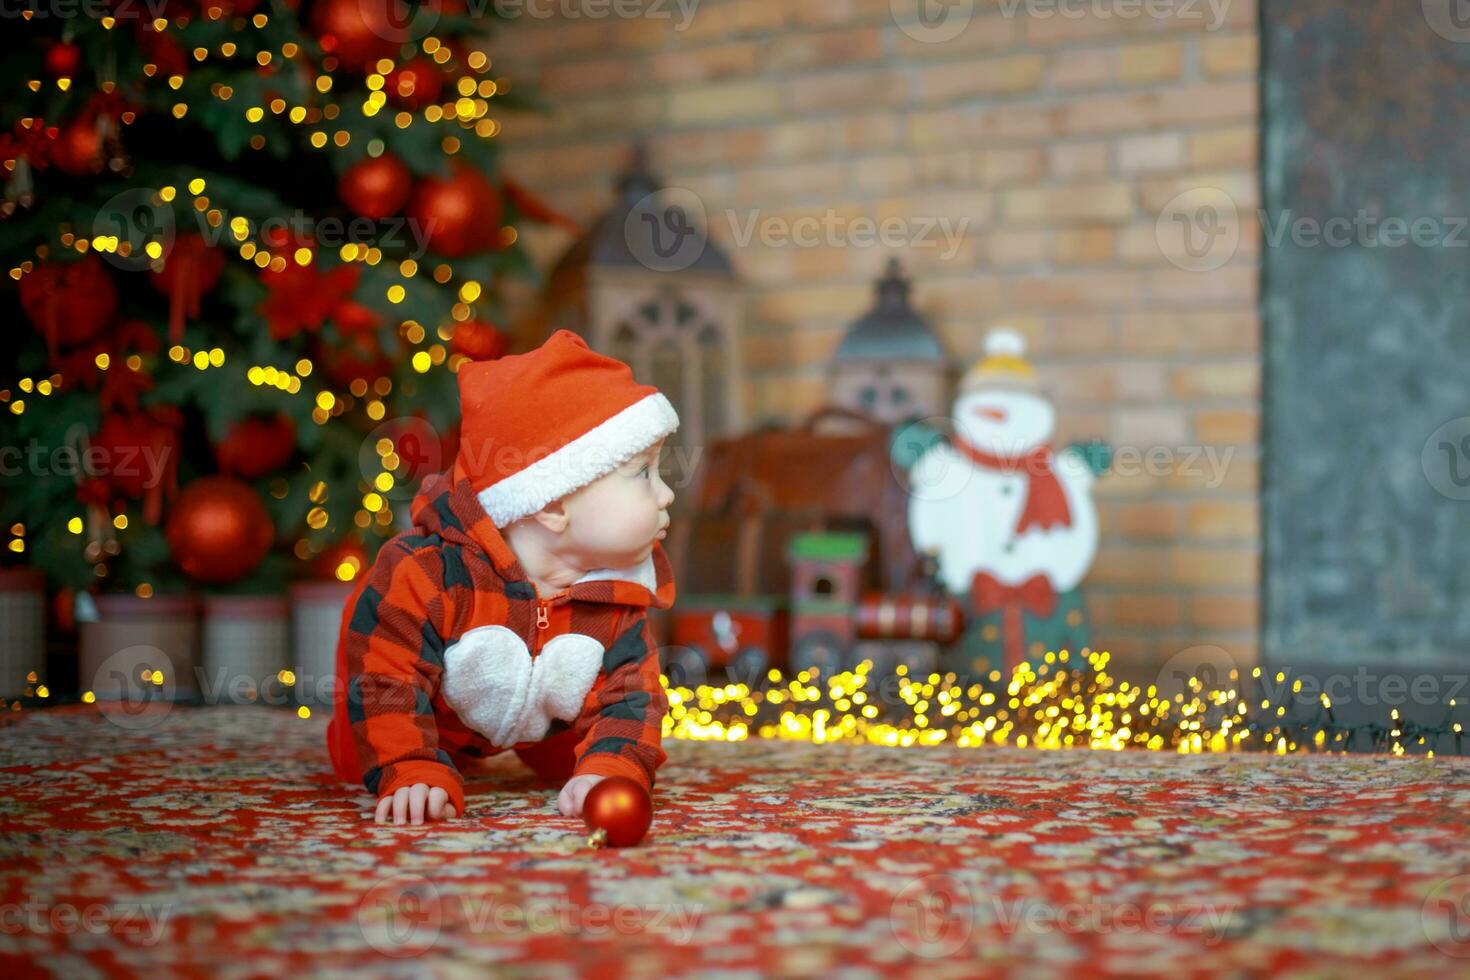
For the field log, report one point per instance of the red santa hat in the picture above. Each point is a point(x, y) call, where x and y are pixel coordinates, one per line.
point(537, 426)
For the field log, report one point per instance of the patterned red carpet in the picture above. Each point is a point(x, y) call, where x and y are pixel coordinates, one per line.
point(209, 842)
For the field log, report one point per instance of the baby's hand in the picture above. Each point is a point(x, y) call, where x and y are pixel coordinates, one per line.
point(574, 792)
point(407, 805)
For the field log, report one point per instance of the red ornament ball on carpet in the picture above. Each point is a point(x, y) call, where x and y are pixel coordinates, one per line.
point(458, 216)
point(618, 811)
point(218, 530)
point(376, 187)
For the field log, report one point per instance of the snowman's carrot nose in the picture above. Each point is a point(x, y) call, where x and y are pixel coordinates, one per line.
point(994, 414)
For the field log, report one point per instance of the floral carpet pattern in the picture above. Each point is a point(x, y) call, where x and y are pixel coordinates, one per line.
point(213, 842)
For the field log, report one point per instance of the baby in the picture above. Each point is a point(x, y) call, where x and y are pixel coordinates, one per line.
point(514, 615)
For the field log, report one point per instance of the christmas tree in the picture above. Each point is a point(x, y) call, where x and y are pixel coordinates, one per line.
point(249, 244)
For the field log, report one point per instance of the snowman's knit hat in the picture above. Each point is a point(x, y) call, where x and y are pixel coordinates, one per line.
point(1004, 364)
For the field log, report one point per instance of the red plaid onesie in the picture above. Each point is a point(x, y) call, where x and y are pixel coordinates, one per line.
point(451, 592)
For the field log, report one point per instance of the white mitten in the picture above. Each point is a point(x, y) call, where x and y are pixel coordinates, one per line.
point(487, 680)
point(561, 675)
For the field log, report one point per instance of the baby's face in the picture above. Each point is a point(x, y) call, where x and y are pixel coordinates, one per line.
point(615, 520)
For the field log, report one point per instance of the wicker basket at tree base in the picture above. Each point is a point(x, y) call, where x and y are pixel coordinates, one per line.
point(22, 631)
point(247, 644)
point(131, 636)
point(316, 620)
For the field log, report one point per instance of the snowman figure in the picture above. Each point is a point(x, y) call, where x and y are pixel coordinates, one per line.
point(1010, 521)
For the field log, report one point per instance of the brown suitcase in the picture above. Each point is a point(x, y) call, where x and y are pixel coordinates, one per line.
point(754, 491)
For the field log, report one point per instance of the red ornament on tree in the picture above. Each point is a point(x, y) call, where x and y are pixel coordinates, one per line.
point(617, 811)
point(62, 59)
point(358, 32)
point(358, 357)
point(161, 50)
point(257, 445)
point(342, 561)
point(68, 302)
point(140, 455)
point(376, 187)
point(458, 216)
point(218, 530)
point(478, 341)
point(190, 269)
point(78, 148)
point(415, 84)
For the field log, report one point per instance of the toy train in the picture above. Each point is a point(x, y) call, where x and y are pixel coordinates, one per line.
point(827, 622)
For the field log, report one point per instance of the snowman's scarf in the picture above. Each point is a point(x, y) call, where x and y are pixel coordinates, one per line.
point(1046, 503)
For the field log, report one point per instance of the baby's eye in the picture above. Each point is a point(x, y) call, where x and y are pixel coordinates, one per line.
point(644, 471)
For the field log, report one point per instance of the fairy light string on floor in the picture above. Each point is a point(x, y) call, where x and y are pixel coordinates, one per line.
point(1064, 702)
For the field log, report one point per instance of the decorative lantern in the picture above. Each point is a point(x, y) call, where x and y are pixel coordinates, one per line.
point(890, 365)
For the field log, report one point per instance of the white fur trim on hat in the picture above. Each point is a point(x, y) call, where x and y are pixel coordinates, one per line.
point(596, 452)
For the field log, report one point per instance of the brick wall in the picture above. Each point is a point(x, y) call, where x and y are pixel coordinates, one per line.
point(1061, 135)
